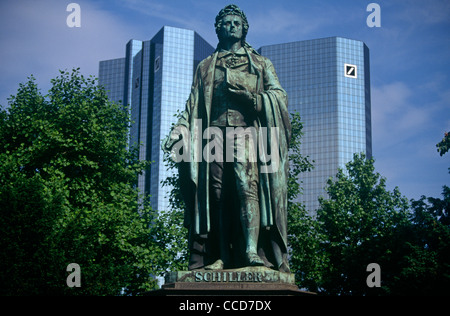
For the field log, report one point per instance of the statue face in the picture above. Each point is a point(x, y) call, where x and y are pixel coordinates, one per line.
point(231, 28)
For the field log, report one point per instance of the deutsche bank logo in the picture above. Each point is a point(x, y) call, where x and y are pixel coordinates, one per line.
point(350, 71)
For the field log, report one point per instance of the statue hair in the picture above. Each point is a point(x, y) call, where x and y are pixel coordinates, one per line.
point(233, 9)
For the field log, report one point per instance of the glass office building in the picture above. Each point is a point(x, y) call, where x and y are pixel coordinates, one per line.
point(328, 82)
point(111, 75)
point(155, 79)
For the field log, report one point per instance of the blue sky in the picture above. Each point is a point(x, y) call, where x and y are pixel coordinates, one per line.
point(410, 59)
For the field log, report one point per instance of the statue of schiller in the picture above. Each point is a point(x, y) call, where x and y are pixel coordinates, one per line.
point(236, 206)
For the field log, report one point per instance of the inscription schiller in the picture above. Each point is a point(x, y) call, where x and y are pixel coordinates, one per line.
point(255, 275)
point(232, 276)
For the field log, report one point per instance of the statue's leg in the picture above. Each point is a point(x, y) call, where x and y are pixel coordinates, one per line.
point(246, 174)
point(250, 224)
point(220, 231)
point(246, 181)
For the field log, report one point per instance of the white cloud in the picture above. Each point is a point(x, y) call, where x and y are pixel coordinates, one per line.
point(161, 10)
point(399, 112)
point(184, 14)
point(390, 107)
point(407, 122)
point(37, 40)
point(418, 12)
point(282, 22)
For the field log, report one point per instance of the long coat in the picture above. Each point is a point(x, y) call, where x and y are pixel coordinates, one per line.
point(194, 174)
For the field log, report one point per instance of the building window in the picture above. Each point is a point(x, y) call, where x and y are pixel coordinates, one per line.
point(157, 63)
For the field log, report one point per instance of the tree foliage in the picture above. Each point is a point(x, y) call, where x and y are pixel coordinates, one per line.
point(302, 227)
point(427, 265)
point(444, 145)
point(67, 194)
point(360, 222)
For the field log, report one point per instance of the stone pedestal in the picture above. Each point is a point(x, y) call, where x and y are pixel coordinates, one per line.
point(244, 281)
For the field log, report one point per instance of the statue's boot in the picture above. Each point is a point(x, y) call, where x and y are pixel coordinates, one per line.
point(218, 265)
point(250, 220)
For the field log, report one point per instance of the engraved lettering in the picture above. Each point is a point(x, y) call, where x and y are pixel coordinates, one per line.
point(198, 277)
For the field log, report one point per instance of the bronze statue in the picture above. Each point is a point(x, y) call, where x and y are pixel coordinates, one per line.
point(231, 143)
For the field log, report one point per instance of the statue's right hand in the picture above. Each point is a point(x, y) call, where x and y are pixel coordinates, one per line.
point(174, 136)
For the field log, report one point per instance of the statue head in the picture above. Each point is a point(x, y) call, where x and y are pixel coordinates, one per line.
point(232, 10)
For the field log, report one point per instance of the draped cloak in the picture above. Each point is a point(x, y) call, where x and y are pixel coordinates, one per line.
point(194, 174)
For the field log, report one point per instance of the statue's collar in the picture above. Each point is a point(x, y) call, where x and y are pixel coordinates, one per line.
point(225, 53)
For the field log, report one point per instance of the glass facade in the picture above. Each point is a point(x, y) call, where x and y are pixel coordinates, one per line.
point(111, 76)
point(328, 82)
point(174, 61)
point(132, 48)
point(156, 80)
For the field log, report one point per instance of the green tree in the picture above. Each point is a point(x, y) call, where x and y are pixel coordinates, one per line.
point(427, 269)
point(303, 233)
point(172, 235)
point(427, 265)
point(362, 223)
point(67, 194)
point(444, 145)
